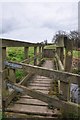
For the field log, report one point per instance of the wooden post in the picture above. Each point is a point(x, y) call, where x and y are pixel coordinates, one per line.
point(68, 67)
point(26, 51)
point(42, 51)
point(12, 76)
point(62, 54)
point(68, 55)
point(1, 78)
point(54, 85)
point(4, 91)
point(4, 88)
point(35, 55)
point(64, 88)
point(39, 54)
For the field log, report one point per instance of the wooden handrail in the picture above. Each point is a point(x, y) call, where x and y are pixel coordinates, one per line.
point(58, 75)
point(61, 67)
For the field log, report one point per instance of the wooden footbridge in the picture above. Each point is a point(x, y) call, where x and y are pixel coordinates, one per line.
point(44, 92)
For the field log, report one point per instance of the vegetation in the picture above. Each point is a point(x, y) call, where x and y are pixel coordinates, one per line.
point(17, 54)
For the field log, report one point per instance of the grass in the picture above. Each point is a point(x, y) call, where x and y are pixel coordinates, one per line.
point(17, 53)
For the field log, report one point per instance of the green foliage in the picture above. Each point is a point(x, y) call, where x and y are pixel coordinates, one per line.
point(19, 75)
point(17, 54)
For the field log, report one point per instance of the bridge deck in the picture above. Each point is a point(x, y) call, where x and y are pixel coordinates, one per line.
point(26, 106)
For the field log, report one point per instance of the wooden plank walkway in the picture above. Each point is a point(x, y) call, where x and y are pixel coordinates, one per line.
point(26, 106)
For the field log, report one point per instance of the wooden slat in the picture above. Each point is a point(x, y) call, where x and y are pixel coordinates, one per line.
point(32, 101)
point(40, 82)
point(40, 85)
point(31, 110)
point(28, 117)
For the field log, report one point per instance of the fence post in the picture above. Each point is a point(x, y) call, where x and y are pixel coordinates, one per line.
point(62, 54)
point(35, 55)
point(68, 63)
point(12, 75)
point(42, 51)
point(68, 55)
point(39, 54)
point(58, 50)
point(4, 76)
point(68, 67)
point(26, 50)
point(1, 78)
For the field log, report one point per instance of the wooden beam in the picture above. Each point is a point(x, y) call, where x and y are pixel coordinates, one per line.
point(58, 75)
point(70, 107)
point(69, 55)
point(35, 53)
point(40, 54)
point(42, 51)
point(1, 77)
point(25, 79)
point(17, 43)
point(61, 67)
point(26, 50)
point(13, 93)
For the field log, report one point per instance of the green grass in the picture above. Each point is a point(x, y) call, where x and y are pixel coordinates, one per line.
point(17, 53)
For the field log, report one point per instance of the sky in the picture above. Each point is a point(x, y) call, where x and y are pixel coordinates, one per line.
point(36, 21)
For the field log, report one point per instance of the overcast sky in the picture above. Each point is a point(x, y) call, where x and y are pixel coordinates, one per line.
point(37, 21)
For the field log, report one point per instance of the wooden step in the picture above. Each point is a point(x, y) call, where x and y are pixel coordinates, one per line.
point(30, 101)
point(38, 88)
point(39, 85)
point(31, 110)
point(19, 116)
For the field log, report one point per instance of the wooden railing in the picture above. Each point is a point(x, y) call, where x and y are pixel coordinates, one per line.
point(62, 74)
